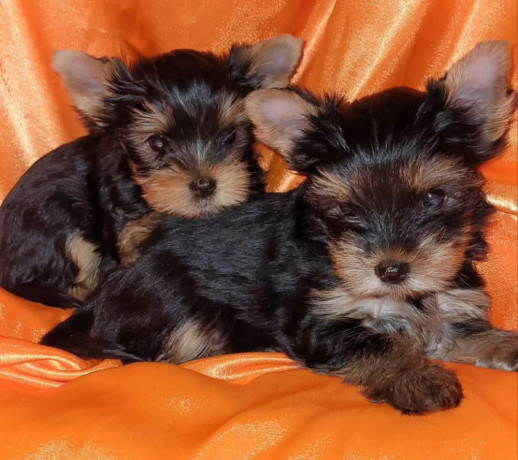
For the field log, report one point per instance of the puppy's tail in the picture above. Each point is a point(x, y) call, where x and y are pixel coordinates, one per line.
point(74, 335)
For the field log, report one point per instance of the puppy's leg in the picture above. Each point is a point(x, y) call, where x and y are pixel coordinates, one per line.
point(192, 340)
point(388, 365)
point(477, 342)
point(86, 258)
point(47, 295)
point(468, 335)
point(133, 235)
point(75, 336)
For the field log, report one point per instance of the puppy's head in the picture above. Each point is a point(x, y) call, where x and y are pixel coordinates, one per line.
point(180, 118)
point(393, 178)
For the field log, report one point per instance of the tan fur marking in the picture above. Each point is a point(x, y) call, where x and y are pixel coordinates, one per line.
point(233, 185)
point(84, 255)
point(439, 262)
point(133, 235)
point(330, 186)
point(191, 341)
point(167, 190)
point(422, 175)
point(434, 173)
point(150, 121)
point(232, 111)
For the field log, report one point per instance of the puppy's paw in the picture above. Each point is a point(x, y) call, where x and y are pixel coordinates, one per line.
point(428, 389)
point(503, 353)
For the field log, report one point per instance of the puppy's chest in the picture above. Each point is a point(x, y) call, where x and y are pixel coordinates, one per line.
point(428, 321)
point(392, 316)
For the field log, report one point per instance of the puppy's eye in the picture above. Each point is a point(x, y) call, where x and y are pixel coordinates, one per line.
point(230, 138)
point(157, 143)
point(334, 211)
point(340, 218)
point(349, 215)
point(435, 198)
point(341, 211)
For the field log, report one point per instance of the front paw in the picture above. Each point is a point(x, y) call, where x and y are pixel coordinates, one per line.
point(501, 353)
point(418, 391)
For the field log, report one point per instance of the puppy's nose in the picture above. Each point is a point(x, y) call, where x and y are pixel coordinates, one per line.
point(203, 187)
point(392, 272)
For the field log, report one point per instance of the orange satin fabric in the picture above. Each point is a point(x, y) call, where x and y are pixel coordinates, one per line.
point(253, 406)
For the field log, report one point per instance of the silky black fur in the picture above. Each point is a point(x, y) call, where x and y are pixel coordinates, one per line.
point(250, 271)
point(243, 285)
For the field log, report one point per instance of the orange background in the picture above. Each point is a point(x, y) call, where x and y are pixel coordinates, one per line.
point(250, 406)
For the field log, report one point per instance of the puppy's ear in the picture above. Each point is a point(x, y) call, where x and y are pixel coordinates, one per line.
point(479, 85)
point(281, 118)
point(268, 64)
point(89, 81)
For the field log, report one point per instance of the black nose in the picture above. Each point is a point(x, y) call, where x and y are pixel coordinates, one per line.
point(203, 187)
point(392, 272)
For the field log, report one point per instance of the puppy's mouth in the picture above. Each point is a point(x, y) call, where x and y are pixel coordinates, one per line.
point(217, 198)
point(394, 284)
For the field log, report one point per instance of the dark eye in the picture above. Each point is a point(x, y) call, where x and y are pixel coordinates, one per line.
point(334, 211)
point(340, 218)
point(435, 198)
point(157, 143)
point(341, 211)
point(230, 138)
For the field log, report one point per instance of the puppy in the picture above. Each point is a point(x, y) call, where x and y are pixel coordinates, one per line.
point(168, 134)
point(364, 272)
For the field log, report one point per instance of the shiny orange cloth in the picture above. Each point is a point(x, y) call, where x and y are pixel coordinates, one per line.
point(249, 406)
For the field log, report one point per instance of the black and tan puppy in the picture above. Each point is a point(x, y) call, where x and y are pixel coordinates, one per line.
point(168, 134)
point(365, 272)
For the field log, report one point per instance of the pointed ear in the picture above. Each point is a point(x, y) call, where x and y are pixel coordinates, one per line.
point(87, 80)
point(280, 119)
point(479, 84)
point(268, 64)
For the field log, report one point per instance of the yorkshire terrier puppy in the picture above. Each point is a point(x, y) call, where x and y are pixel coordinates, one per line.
point(364, 272)
point(168, 134)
